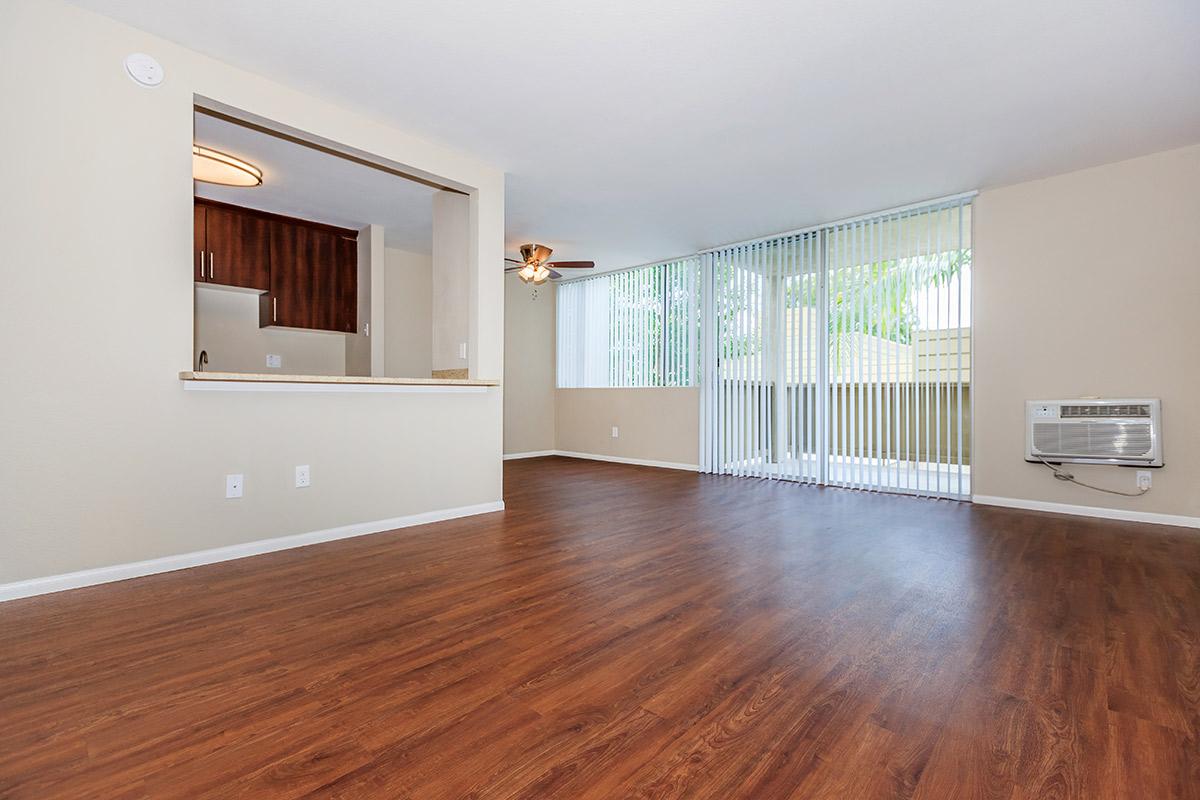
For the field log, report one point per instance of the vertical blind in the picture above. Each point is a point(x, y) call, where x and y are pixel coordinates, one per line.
point(634, 328)
point(841, 355)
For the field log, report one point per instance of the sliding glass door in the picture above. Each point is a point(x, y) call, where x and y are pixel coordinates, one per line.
point(841, 355)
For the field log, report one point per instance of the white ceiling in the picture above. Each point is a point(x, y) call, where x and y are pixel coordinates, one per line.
point(302, 182)
point(635, 130)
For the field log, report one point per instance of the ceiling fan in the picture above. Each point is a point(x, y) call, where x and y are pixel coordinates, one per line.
point(534, 266)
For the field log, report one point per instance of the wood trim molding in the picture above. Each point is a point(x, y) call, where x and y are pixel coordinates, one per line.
point(451, 374)
point(287, 137)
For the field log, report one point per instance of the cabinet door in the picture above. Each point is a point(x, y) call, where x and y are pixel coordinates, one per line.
point(344, 286)
point(239, 252)
point(314, 280)
point(199, 245)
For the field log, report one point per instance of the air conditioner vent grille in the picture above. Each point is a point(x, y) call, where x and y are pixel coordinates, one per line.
point(1093, 439)
point(1104, 410)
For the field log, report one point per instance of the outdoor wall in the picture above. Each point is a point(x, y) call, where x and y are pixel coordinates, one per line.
point(528, 367)
point(1088, 284)
point(408, 288)
point(106, 459)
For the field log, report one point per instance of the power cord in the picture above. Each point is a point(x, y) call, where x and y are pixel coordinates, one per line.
point(1069, 478)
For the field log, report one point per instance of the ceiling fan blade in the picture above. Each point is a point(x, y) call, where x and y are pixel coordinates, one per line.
point(572, 264)
point(512, 269)
point(514, 260)
point(554, 275)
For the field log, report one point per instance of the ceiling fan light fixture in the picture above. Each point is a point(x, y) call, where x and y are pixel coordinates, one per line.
point(213, 166)
point(527, 272)
point(540, 275)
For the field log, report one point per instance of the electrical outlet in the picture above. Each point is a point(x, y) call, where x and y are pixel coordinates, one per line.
point(615, 432)
point(303, 479)
point(1143, 479)
point(233, 486)
point(275, 361)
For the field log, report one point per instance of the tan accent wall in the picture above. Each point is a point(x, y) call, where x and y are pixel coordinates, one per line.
point(1088, 283)
point(226, 328)
point(408, 288)
point(529, 334)
point(451, 254)
point(106, 459)
point(654, 424)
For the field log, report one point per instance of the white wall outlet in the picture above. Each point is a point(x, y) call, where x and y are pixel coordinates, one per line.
point(1144, 479)
point(462, 349)
point(233, 486)
point(274, 360)
point(615, 432)
point(303, 479)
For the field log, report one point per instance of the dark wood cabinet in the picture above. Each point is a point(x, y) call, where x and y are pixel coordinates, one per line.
point(238, 249)
point(308, 271)
point(314, 279)
point(231, 247)
point(200, 242)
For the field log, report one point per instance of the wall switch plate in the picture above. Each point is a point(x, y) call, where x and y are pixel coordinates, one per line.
point(303, 479)
point(462, 349)
point(1144, 479)
point(275, 361)
point(233, 486)
point(615, 432)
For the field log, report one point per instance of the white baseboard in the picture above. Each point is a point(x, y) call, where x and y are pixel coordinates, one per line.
point(120, 572)
point(641, 462)
point(531, 454)
point(1089, 511)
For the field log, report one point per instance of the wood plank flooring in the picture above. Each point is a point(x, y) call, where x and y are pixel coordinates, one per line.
point(625, 632)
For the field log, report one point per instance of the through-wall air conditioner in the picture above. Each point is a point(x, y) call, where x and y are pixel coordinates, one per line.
point(1123, 432)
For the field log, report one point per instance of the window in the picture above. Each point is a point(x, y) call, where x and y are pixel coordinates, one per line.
point(842, 355)
point(635, 328)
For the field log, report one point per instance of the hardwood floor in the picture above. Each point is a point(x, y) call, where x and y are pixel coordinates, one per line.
point(626, 632)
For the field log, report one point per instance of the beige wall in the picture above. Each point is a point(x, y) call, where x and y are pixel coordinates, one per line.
point(364, 351)
point(528, 367)
point(408, 288)
point(226, 324)
point(1088, 284)
point(451, 327)
point(106, 459)
point(654, 424)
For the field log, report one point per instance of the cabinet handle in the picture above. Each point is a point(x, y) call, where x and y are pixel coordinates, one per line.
point(210, 269)
point(274, 308)
point(201, 254)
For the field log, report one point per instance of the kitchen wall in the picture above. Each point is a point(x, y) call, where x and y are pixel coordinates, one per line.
point(106, 458)
point(1088, 283)
point(528, 366)
point(408, 346)
point(364, 352)
point(226, 325)
point(451, 326)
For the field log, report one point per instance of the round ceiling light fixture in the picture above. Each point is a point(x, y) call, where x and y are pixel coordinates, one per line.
point(213, 166)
